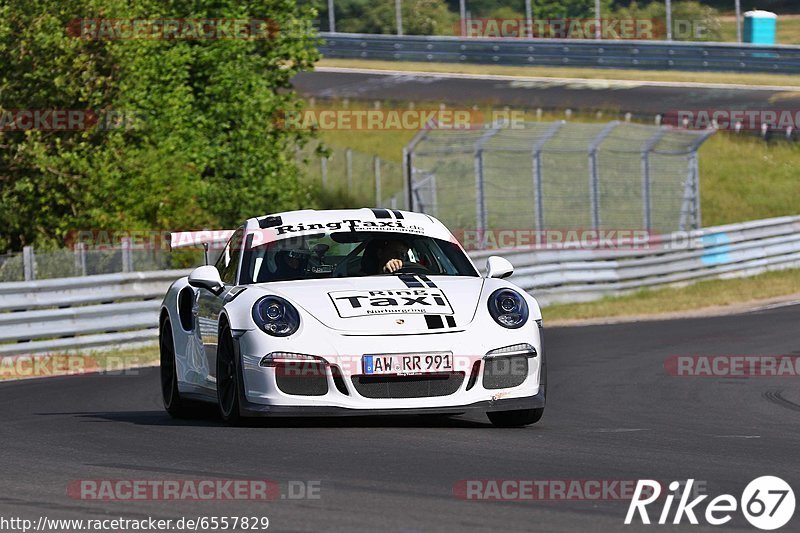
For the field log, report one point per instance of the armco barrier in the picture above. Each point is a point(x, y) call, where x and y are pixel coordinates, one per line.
point(661, 55)
point(719, 252)
point(84, 312)
point(116, 309)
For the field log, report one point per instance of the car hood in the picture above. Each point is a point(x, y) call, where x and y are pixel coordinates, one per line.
point(397, 305)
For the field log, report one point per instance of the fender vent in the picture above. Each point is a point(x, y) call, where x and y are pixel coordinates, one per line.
point(185, 303)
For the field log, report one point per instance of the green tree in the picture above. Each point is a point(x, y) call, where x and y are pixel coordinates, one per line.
point(203, 148)
point(420, 17)
point(691, 21)
point(543, 9)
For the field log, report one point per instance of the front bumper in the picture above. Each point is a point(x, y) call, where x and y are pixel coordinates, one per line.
point(509, 404)
point(262, 396)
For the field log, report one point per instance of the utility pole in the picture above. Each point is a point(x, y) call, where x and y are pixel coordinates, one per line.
point(738, 21)
point(669, 20)
point(528, 18)
point(462, 10)
point(331, 18)
point(597, 33)
point(399, 16)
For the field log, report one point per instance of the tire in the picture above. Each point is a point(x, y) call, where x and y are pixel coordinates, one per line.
point(228, 382)
point(515, 419)
point(176, 406)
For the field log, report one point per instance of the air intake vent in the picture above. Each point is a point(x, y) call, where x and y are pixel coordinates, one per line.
point(301, 378)
point(408, 386)
point(505, 372)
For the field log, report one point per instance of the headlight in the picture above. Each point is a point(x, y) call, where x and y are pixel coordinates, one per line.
point(276, 316)
point(287, 357)
point(508, 308)
point(513, 350)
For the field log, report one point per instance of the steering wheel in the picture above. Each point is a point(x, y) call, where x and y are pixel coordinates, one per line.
point(412, 268)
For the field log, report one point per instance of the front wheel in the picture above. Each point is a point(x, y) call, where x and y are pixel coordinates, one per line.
point(515, 419)
point(176, 406)
point(228, 385)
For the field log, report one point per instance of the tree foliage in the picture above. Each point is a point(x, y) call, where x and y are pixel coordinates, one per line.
point(200, 147)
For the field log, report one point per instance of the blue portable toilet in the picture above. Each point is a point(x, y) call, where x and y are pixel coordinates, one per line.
point(759, 27)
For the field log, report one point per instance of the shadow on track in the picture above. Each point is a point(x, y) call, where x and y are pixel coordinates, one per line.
point(208, 416)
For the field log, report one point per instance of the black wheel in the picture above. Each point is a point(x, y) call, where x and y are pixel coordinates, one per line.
point(515, 419)
point(228, 385)
point(173, 403)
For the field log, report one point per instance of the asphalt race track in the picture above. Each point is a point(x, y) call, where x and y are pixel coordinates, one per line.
point(637, 98)
point(613, 414)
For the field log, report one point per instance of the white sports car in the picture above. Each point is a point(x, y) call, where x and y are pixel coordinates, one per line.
point(350, 312)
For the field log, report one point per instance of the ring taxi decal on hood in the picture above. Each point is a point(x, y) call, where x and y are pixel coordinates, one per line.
point(391, 301)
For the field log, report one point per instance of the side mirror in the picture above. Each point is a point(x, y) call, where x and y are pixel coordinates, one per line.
point(205, 277)
point(498, 267)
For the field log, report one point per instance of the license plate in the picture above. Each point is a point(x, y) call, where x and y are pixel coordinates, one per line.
point(407, 363)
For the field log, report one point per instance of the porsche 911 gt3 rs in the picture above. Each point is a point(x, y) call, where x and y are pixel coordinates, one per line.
point(349, 312)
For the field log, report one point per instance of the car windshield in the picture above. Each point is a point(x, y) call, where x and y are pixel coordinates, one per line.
point(352, 254)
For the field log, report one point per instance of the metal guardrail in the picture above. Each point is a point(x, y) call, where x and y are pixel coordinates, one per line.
point(117, 309)
point(81, 312)
point(699, 56)
point(733, 250)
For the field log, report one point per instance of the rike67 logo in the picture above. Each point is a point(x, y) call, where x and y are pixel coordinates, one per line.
point(767, 503)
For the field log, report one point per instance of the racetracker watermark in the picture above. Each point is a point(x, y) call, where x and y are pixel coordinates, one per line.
point(192, 489)
point(574, 239)
point(46, 365)
point(103, 29)
point(733, 366)
point(734, 119)
point(292, 365)
point(397, 119)
point(545, 489)
point(67, 120)
point(580, 28)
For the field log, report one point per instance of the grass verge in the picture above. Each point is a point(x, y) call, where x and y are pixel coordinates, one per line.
point(572, 72)
point(111, 361)
point(702, 295)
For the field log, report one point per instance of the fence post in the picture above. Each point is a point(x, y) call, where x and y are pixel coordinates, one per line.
point(480, 192)
point(323, 167)
point(647, 197)
point(408, 177)
point(594, 173)
point(80, 258)
point(698, 213)
point(538, 188)
point(480, 200)
point(348, 162)
point(28, 263)
point(691, 189)
point(434, 196)
point(377, 168)
point(127, 259)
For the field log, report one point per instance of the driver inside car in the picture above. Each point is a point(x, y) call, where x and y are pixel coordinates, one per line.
point(384, 256)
